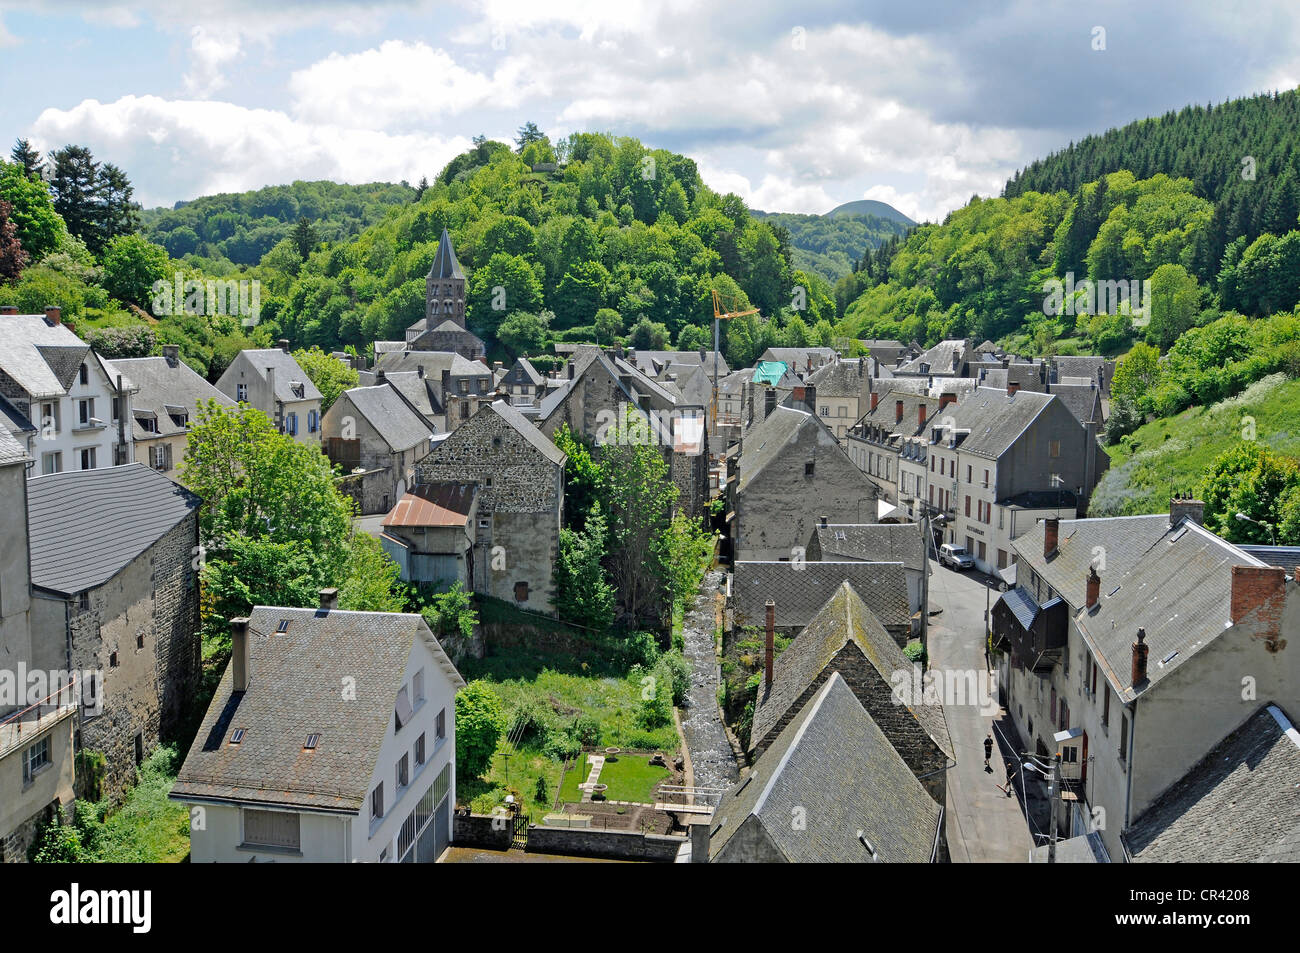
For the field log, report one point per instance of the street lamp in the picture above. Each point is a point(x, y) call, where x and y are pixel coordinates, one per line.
point(1272, 532)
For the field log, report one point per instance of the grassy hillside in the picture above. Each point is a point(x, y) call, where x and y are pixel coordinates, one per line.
point(1171, 454)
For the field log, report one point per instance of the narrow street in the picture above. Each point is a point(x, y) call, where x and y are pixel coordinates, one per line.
point(983, 824)
point(706, 740)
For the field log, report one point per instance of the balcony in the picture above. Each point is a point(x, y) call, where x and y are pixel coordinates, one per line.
point(22, 727)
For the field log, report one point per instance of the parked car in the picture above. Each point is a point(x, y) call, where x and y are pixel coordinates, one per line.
point(955, 557)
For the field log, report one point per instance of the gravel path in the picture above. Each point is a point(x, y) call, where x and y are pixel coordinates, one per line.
point(711, 755)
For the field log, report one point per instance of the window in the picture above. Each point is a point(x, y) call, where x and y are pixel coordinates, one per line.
point(36, 758)
point(440, 729)
point(277, 829)
point(112, 660)
point(402, 712)
point(983, 552)
point(311, 421)
point(50, 417)
point(85, 411)
point(291, 424)
point(88, 458)
point(968, 473)
point(52, 462)
point(521, 592)
point(1053, 708)
point(84, 374)
point(826, 411)
point(932, 464)
point(403, 772)
point(1064, 723)
point(417, 686)
point(139, 641)
point(986, 478)
point(464, 386)
point(1123, 737)
point(419, 750)
point(1105, 704)
point(808, 468)
point(377, 801)
point(968, 506)
point(241, 392)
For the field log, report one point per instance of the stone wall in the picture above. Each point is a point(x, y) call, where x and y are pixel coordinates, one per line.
point(148, 615)
point(477, 830)
point(612, 845)
point(367, 490)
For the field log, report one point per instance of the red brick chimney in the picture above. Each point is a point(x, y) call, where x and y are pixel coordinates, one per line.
point(920, 416)
point(1012, 387)
point(769, 650)
point(1138, 675)
point(1051, 532)
point(875, 401)
point(13, 309)
point(1094, 587)
point(946, 399)
point(898, 411)
point(1259, 595)
point(54, 315)
point(239, 668)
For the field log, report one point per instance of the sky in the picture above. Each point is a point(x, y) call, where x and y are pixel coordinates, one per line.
point(795, 107)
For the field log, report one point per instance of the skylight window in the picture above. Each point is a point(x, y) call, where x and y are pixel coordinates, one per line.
point(283, 626)
point(312, 741)
point(237, 736)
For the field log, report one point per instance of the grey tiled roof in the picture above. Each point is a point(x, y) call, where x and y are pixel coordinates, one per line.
point(1083, 849)
point(844, 618)
point(767, 438)
point(40, 357)
point(11, 451)
point(994, 419)
point(886, 413)
point(1086, 365)
point(652, 362)
point(834, 767)
point(416, 390)
point(1083, 401)
point(1022, 605)
point(287, 373)
point(161, 385)
point(391, 416)
point(1123, 540)
point(88, 525)
point(294, 679)
point(873, 542)
point(946, 357)
point(1240, 804)
point(433, 362)
point(798, 357)
point(445, 264)
point(800, 590)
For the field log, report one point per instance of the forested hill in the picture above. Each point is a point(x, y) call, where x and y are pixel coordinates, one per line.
point(242, 227)
point(1240, 155)
point(832, 245)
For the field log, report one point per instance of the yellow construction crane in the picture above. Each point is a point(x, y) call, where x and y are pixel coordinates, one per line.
point(721, 313)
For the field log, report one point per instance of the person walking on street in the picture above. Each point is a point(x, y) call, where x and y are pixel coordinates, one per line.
point(1011, 776)
point(988, 751)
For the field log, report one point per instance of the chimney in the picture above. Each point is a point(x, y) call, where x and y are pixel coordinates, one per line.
point(239, 669)
point(8, 309)
point(700, 839)
point(810, 398)
point(1094, 588)
point(54, 315)
point(1012, 387)
point(570, 370)
point(419, 371)
point(920, 416)
point(275, 407)
point(171, 354)
point(381, 376)
point(946, 399)
point(898, 411)
point(1051, 532)
point(284, 345)
point(497, 365)
point(1140, 649)
point(329, 598)
point(799, 395)
point(769, 402)
point(875, 400)
point(1258, 591)
point(446, 385)
point(1181, 506)
point(770, 648)
point(821, 520)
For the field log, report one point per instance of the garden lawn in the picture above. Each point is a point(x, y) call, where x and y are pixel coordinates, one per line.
point(147, 828)
point(630, 778)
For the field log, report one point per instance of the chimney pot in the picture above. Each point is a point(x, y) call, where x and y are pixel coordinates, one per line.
point(821, 520)
point(284, 345)
point(769, 651)
point(1184, 506)
point(54, 315)
point(239, 660)
point(1051, 533)
point(920, 415)
point(946, 399)
point(1094, 587)
point(171, 354)
point(1138, 675)
point(381, 376)
point(329, 598)
point(8, 309)
point(1012, 387)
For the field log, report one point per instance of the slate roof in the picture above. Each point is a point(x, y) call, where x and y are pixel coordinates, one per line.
point(994, 419)
point(287, 373)
point(13, 420)
point(445, 264)
point(527, 430)
point(1240, 803)
point(800, 590)
point(834, 763)
point(843, 618)
point(1083, 849)
point(434, 504)
point(417, 390)
point(844, 378)
point(294, 692)
point(88, 525)
point(1028, 376)
point(886, 413)
point(42, 358)
point(1288, 557)
point(653, 362)
point(433, 362)
point(392, 417)
point(1022, 605)
point(797, 358)
point(873, 542)
point(529, 372)
point(946, 357)
point(1083, 401)
point(1086, 365)
point(160, 386)
point(11, 451)
point(1176, 582)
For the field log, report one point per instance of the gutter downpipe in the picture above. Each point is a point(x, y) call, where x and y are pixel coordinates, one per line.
point(1132, 758)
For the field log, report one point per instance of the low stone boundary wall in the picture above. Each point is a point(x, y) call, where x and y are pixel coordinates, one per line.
point(476, 830)
point(610, 845)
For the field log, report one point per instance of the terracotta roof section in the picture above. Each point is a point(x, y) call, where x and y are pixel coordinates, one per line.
point(434, 504)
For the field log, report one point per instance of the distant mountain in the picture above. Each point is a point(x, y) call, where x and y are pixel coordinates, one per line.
point(872, 208)
point(830, 245)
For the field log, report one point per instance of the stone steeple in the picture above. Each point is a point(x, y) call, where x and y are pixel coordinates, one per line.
point(444, 288)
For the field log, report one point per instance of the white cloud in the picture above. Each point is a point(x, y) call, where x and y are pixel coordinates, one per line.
point(211, 50)
point(187, 148)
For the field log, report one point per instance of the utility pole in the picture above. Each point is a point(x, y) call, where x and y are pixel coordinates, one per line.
point(1053, 786)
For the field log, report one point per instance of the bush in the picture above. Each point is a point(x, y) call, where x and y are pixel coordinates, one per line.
point(915, 652)
point(641, 648)
point(674, 670)
point(57, 842)
point(480, 722)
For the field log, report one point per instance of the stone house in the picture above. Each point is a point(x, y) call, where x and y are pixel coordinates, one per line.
point(523, 384)
point(456, 387)
point(787, 471)
point(62, 400)
point(36, 725)
point(876, 542)
point(884, 434)
point(1150, 624)
point(843, 390)
point(168, 394)
point(845, 637)
point(271, 381)
point(376, 429)
point(519, 476)
point(115, 591)
point(833, 769)
point(287, 768)
point(950, 358)
point(430, 534)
